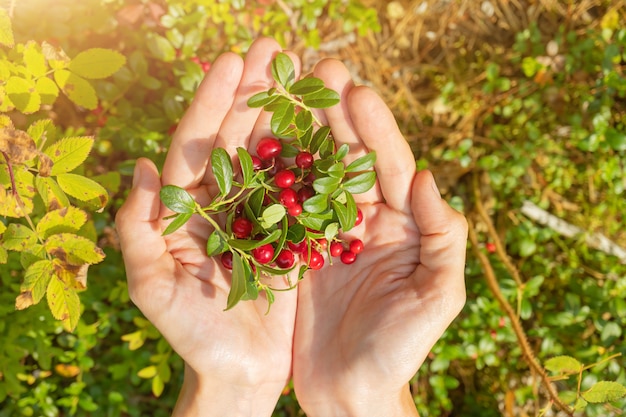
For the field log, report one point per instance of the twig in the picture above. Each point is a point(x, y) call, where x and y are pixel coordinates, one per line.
point(595, 240)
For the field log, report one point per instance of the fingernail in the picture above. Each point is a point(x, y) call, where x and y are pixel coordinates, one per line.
point(136, 175)
point(434, 185)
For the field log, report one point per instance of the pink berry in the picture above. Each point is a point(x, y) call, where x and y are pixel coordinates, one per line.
point(227, 260)
point(356, 246)
point(359, 217)
point(288, 197)
point(315, 260)
point(304, 160)
point(268, 148)
point(348, 257)
point(285, 259)
point(264, 253)
point(336, 249)
point(295, 210)
point(285, 178)
point(242, 228)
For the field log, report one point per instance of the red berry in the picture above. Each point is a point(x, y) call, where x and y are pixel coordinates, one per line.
point(309, 178)
point(206, 66)
point(257, 164)
point(301, 247)
point(242, 228)
point(274, 165)
point(359, 217)
point(315, 260)
point(288, 197)
point(336, 248)
point(356, 246)
point(491, 247)
point(305, 193)
point(285, 178)
point(295, 210)
point(323, 243)
point(264, 253)
point(268, 148)
point(348, 257)
point(304, 160)
point(227, 260)
point(285, 259)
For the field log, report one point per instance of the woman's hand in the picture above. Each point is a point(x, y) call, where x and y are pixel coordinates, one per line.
point(363, 330)
point(237, 361)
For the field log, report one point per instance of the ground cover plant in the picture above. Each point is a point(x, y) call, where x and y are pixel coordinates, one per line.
point(517, 106)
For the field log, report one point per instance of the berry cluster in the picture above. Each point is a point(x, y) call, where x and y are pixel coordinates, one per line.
point(290, 201)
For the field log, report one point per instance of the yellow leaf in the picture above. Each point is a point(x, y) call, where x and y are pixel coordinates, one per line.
point(96, 63)
point(18, 237)
point(76, 88)
point(51, 194)
point(67, 371)
point(37, 279)
point(147, 372)
point(68, 153)
point(6, 32)
point(17, 144)
point(66, 219)
point(73, 249)
point(83, 189)
point(24, 300)
point(63, 302)
point(34, 60)
point(23, 94)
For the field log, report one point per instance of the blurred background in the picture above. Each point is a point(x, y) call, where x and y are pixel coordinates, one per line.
point(517, 106)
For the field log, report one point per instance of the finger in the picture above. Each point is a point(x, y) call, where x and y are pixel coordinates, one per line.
point(137, 222)
point(443, 240)
point(377, 128)
point(240, 120)
point(191, 146)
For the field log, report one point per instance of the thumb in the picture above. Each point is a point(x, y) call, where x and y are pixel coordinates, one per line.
point(443, 237)
point(137, 223)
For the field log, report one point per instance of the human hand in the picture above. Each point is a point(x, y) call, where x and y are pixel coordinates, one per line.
point(363, 330)
point(238, 361)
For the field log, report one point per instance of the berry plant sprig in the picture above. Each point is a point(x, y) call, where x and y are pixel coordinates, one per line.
point(292, 199)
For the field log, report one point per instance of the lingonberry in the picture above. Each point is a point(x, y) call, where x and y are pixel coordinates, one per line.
point(288, 197)
point(227, 260)
point(304, 160)
point(305, 193)
point(322, 243)
point(273, 166)
point(348, 257)
point(285, 178)
point(336, 248)
point(285, 259)
point(242, 228)
point(268, 148)
point(257, 164)
point(295, 210)
point(356, 246)
point(264, 253)
point(315, 260)
point(359, 217)
point(301, 247)
point(491, 247)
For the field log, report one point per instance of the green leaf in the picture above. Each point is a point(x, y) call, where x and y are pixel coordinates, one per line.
point(36, 279)
point(283, 70)
point(47, 90)
point(177, 199)
point(327, 148)
point(341, 152)
point(82, 188)
point(247, 167)
point(6, 32)
point(76, 89)
point(96, 63)
point(255, 202)
point(215, 245)
point(66, 219)
point(361, 183)
point(34, 60)
point(18, 237)
point(316, 204)
point(23, 93)
point(604, 392)
point(336, 171)
point(261, 99)
point(305, 138)
point(73, 249)
point(177, 223)
point(282, 118)
point(319, 137)
point(161, 48)
point(330, 232)
point(321, 99)
point(69, 153)
point(238, 282)
point(52, 195)
point(304, 120)
point(249, 244)
point(222, 168)
point(296, 233)
point(363, 163)
point(563, 365)
point(63, 302)
point(272, 215)
point(307, 86)
point(345, 217)
point(326, 185)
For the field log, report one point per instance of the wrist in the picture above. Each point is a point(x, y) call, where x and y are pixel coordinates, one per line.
point(205, 397)
point(398, 404)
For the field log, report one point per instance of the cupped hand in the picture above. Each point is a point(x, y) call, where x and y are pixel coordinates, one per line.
point(363, 330)
point(237, 361)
